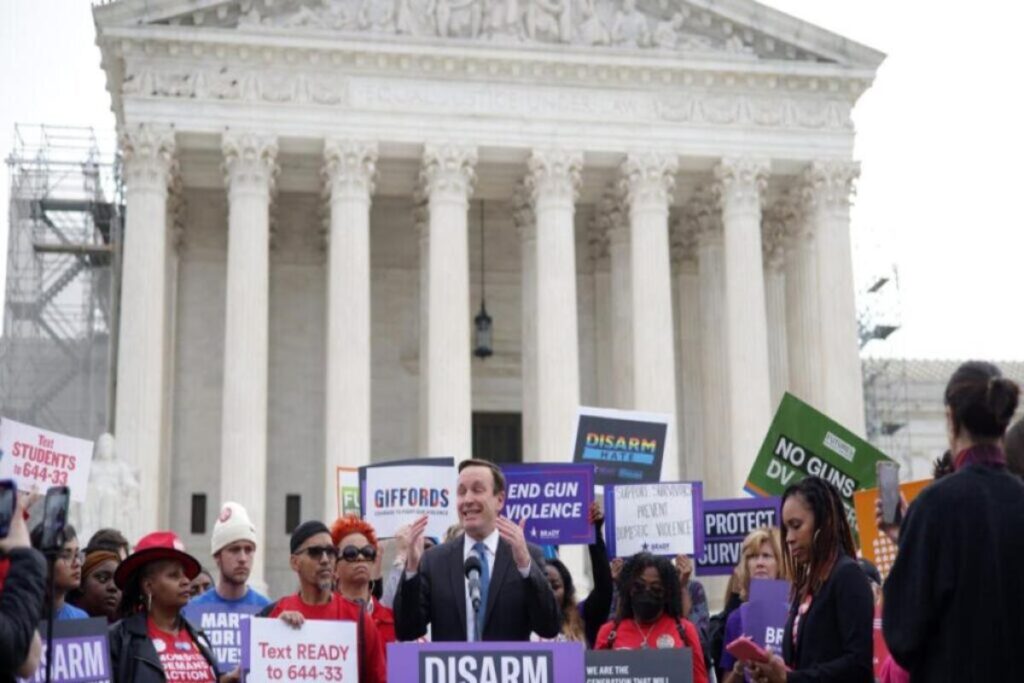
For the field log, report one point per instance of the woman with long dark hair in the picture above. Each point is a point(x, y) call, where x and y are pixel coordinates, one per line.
point(952, 607)
point(828, 635)
point(650, 614)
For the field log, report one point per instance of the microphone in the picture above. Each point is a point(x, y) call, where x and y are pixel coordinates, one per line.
point(472, 569)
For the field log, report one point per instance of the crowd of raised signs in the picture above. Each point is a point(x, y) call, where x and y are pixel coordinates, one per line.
point(951, 607)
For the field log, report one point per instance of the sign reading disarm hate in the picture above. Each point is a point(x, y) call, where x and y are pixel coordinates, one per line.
point(626, 447)
point(399, 492)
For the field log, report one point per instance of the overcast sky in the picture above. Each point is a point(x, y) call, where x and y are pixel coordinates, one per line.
point(940, 138)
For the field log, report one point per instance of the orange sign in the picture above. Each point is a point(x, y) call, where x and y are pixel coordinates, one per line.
point(874, 545)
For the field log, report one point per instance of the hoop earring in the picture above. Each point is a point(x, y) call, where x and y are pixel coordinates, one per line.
point(149, 602)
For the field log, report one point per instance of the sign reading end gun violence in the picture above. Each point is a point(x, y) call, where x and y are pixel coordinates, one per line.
point(662, 519)
point(625, 447)
point(37, 459)
point(726, 524)
point(803, 442)
point(554, 500)
point(488, 662)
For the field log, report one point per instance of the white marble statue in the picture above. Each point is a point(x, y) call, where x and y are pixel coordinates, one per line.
point(630, 26)
point(666, 33)
point(592, 30)
point(113, 497)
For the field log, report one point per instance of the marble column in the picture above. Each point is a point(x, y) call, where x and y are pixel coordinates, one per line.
point(648, 180)
point(447, 178)
point(349, 172)
point(741, 183)
point(526, 225)
point(553, 180)
point(250, 168)
point(622, 305)
point(149, 164)
point(803, 330)
point(829, 185)
point(687, 285)
point(603, 326)
point(773, 236)
point(716, 425)
point(421, 223)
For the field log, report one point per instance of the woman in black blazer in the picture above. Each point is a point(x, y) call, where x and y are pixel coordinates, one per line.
point(828, 636)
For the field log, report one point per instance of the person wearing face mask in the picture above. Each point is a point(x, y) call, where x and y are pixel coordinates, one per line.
point(829, 632)
point(358, 549)
point(98, 594)
point(650, 612)
point(761, 558)
point(952, 600)
point(153, 642)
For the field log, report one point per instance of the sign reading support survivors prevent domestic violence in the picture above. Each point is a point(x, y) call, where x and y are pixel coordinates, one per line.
point(398, 493)
point(662, 519)
point(554, 500)
point(37, 459)
point(625, 447)
point(488, 662)
point(803, 442)
point(81, 652)
point(222, 625)
point(726, 524)
point(318, 651)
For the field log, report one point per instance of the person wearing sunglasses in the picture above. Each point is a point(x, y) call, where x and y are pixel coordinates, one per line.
point(66, 564)
point(313, 559)
point(358, 555)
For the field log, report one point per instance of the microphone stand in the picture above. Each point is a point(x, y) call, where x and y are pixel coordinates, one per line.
point(51, 560)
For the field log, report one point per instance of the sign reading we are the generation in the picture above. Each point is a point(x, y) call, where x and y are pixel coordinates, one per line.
point(625, 447)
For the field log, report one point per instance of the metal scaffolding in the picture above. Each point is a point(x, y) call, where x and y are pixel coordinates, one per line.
point(65, 212)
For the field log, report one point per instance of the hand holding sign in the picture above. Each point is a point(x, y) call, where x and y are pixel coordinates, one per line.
point(411, 537)
point(513, 534)
point(772, 671)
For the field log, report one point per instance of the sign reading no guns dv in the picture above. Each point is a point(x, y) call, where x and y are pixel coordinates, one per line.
point(802, 442)
point(625, 447)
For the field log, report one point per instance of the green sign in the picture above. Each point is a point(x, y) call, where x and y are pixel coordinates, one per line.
point(802, 442)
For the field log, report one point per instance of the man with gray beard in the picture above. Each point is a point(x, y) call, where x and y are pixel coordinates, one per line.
point(313, 559)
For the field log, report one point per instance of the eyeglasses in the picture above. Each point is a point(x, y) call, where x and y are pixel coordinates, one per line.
point(315, 552)
point(71, 556)
point(350, 553)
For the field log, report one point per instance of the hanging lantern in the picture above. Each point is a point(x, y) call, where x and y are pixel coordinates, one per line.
point(484, 345)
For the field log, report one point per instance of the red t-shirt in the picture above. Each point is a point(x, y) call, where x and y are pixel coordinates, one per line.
point(663, 634)
point(374, 668)
point(179, 656)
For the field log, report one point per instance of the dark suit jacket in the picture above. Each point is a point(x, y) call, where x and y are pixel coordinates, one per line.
point(836, 639)
point(436, 595)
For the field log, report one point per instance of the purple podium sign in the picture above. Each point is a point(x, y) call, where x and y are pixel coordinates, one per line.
point(81, 652)
point(223, 626)
point(463, 662)
point(554, 499)
point(726, 524)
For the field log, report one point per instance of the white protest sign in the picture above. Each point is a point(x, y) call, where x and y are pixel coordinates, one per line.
point(655, 518)
point(37, 459)
point(398, 493)
point(318, 651)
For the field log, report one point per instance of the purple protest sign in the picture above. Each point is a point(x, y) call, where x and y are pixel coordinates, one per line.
point(222, 624)
point(764, 614)
point(554, 499)
point(443, 662)
point(726, 524)
point(81, 652)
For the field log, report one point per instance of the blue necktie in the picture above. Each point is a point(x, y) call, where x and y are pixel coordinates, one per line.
point(485, 579)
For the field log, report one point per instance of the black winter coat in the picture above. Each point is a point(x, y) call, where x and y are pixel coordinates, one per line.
point(21, 608)
point(133, 657)
point(954, 600)
point(836, 635)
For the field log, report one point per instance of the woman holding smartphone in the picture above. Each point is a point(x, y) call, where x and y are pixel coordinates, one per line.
point(828, 635)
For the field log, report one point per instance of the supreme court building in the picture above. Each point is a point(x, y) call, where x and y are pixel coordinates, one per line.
point(661, 187)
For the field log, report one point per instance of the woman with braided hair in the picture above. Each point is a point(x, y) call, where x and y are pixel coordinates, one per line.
point(828, 635)
point(650, 613)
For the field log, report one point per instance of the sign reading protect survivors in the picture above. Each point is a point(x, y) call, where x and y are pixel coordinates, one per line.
point(640, 666)
point(726, 524)
point(37, 459)
point(488, 662)
point(625, 447)
point(319, 651)
point(222, 625)
point(662, 519)
point(81, 652)
point(554, 499)
point(803, 442)
point(400, 492)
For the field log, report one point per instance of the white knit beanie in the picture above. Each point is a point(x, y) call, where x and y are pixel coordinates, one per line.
point(233, 524)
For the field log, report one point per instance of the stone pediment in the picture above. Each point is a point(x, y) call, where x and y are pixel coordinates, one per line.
point(735, 29)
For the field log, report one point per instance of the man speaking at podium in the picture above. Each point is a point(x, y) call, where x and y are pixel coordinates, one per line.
point(490, 565)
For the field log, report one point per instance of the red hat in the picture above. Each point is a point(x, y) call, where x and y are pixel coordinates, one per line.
point(159, 545)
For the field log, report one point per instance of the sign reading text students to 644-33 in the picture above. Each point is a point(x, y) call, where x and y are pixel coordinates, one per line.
point(625, 447)
point(802, 442)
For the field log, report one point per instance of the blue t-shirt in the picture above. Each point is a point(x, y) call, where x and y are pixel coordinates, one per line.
point(69, 611)
point(733, 630)
point(212, 597)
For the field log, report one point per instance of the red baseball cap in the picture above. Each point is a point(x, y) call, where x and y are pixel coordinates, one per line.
point(159, 545)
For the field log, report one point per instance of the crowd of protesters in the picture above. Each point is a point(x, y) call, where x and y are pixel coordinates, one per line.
point(952, 601)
